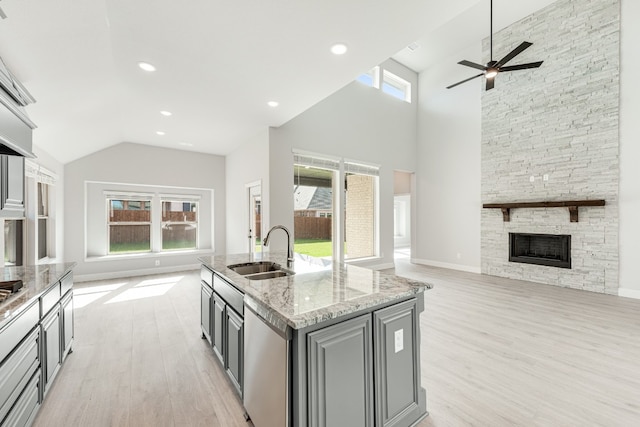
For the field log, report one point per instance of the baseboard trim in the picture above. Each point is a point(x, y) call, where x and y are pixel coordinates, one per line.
point(629, 293)
point(450, 266)
point(134, 273)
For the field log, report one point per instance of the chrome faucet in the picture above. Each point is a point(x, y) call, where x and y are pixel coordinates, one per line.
point(265, 242)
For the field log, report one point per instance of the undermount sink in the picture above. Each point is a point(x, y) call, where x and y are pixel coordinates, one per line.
point(260, 270)
point(254, 267)
point(269, 275)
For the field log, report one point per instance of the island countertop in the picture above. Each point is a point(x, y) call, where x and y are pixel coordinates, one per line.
point(36, 279)
point(319, 290)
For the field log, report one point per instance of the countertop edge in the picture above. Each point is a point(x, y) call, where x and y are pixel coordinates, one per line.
point(12, 313)
point(282, 322)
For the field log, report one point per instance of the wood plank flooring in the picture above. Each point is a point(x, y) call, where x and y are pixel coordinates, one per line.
point(495, 352)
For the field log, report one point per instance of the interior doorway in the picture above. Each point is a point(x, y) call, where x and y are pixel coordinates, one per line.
point(402, 219)
point(254, 192)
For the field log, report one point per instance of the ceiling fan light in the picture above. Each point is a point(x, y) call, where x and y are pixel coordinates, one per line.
point(491, 73)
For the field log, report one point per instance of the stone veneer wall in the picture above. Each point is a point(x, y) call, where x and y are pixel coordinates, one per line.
point(360, 216)
point(562, 120)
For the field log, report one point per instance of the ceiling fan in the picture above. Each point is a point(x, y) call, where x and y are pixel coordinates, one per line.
point(491, 70)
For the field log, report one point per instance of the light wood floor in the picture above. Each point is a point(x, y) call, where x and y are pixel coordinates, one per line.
point(495, 352)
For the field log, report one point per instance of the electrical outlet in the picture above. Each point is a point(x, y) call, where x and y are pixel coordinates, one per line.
point(157, 263)
point(545, 177)
point(532, 178)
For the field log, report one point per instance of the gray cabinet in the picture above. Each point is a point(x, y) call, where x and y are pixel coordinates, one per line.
point(340, 374)
point(66, 328)
point(11, 186)
point(400, 399)
point(235, 347)
point(206, 301)
point(219, 309)
point(51, 347)
point(221, 318)
point(17, 370)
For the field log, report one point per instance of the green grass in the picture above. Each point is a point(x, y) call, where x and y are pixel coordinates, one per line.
point(120, 248)
point(313, 247)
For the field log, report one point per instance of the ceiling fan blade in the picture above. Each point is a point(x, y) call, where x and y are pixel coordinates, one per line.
point(521, 66)
point(472, 65)
point(518, 50)
point(464, 81)
point(490, 83)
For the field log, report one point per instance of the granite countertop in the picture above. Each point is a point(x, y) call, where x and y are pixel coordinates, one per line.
point(320, 290)
point(35, 280)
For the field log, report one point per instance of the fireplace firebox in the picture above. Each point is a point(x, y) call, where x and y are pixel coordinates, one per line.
point(552, 250)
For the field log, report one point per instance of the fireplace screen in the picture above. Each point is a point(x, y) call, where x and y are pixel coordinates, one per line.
point(542, 249)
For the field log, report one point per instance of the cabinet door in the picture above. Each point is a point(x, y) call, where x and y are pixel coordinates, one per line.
point(235, 349)
point(12, 185)
point(67, 324)
point(340, 374)
point(219, 307)
point(397, 365)
point(206, 301)
point(50, 347)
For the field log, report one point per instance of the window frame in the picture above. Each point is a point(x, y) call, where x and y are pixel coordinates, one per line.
point(127, 197)
point(181, 199)
point(398, 83)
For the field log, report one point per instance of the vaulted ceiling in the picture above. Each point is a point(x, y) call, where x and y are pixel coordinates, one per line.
point(218, 62)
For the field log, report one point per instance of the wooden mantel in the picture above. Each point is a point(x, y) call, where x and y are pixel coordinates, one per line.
point(571, 204)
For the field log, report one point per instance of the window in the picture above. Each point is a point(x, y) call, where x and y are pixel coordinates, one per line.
point(179, 225)
point(313, 183)
point(13, 242)
point(396, 86)
point(329, 226)
point(370, 78)
point(129, 225)
point(43, 220)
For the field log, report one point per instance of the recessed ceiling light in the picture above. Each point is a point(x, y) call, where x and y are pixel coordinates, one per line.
point(165, 113)
point(186, 144)
point(146, 66)
point(272, 103)
point(160, 132)
point(339, 49)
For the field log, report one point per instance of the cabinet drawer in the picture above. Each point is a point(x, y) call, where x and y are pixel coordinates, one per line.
point(50, 298)
point(206, 276)
point(15, 331)
point(66, 283)
point(16, 371)
point(24, 411)
point(229, 293)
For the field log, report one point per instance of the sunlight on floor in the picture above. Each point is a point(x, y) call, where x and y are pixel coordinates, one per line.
point(146, 289)
point(85, 296)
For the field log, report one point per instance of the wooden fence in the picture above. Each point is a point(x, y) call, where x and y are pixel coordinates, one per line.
point(312, 227)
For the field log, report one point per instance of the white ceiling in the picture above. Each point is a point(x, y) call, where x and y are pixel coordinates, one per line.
point(218, 62)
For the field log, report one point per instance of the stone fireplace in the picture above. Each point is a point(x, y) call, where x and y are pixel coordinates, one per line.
point(552, 134)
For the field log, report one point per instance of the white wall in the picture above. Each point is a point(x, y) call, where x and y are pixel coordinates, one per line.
point(448, 157)
point(246, 165)
point(129, 163)
point(629, 150)
point(356, 123)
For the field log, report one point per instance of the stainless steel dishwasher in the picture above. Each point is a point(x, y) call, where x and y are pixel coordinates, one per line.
point(266, 372)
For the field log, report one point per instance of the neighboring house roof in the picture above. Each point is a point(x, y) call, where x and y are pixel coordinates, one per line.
point(312, 198)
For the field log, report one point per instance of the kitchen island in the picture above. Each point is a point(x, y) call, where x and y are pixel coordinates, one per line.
point(326, 344)
point(36, 335)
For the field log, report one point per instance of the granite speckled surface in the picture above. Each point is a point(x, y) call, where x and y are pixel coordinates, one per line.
point(35, 279)
point(319, 290)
